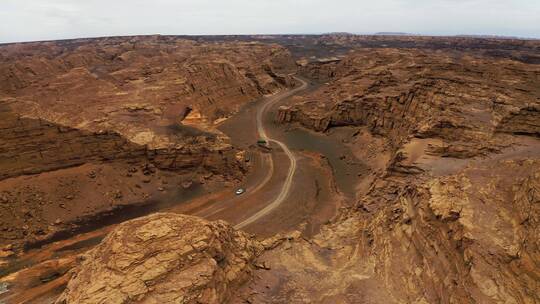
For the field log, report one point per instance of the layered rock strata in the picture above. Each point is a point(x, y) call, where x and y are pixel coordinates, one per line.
point(452, 217)
point(164, 258)
point(403, 93)
point(131, 108)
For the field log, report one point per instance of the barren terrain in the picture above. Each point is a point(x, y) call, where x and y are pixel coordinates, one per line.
point(396, 170)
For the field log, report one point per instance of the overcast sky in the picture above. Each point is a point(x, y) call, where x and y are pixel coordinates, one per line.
point(28, 20)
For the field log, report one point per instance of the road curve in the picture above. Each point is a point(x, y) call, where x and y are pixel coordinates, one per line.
point(292, 168)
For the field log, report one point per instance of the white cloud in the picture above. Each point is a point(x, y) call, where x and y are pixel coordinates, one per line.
point(24, 20)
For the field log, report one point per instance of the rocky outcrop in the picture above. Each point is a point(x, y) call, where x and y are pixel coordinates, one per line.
point(398, 93)
point(164, 258)
point(31, 146)
point(466, 237)
point(525, 121)
point(469, 237)
point(147, 77)
point(321, 70)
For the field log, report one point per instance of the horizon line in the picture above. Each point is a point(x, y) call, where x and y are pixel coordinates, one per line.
point(388, 34)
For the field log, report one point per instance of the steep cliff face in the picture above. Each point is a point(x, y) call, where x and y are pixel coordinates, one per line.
point(140, 109)
point(164, 258)
point(31, 146)
point(453, 216)
point(399, 93)
point(138, 86)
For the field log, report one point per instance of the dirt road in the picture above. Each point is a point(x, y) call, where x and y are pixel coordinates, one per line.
point(292, 167)
point(267, 189)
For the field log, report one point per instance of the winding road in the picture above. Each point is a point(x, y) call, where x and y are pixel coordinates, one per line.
point(292, 167)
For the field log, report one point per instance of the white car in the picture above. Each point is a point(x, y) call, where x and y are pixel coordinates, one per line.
point(240, 191)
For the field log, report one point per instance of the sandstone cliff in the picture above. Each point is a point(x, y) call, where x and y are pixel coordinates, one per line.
point(403, 93)
point(31, 146)
point(137, 86)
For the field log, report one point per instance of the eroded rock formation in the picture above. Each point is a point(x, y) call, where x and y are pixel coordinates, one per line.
point(448, 210)
point(136, 86)
point(164, 258)
point(403, 93)
point(453, 216)
point(469, 237)
point(118, 105)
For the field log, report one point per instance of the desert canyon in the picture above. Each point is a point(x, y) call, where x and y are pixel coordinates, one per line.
point(376, 169)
